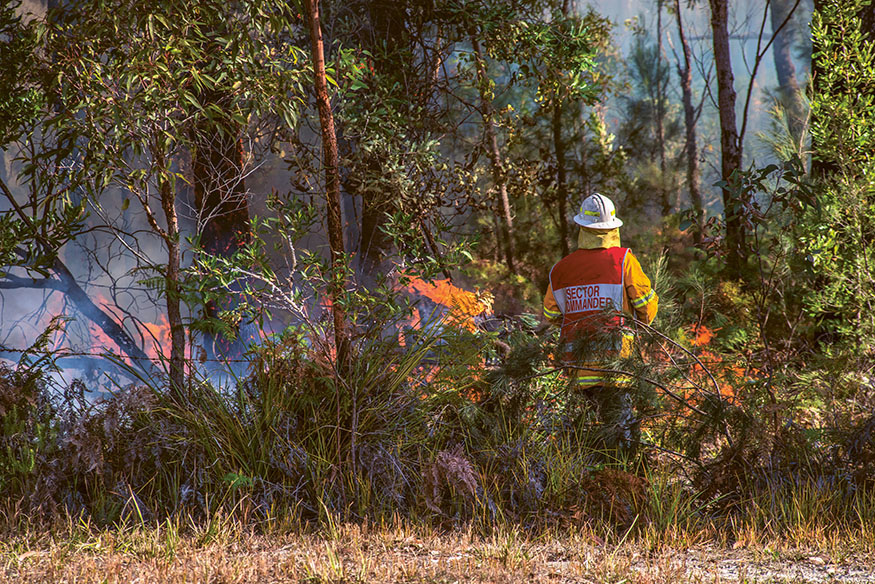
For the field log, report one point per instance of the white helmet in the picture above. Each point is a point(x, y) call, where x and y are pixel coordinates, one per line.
point(597, 212)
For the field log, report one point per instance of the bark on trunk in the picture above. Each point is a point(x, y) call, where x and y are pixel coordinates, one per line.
point(691, 149)
point(220, 190)
point(729, 143)
point(171, 278)
point(330, 163)
point(498, 177)
point(781, 11)
point(660, 113)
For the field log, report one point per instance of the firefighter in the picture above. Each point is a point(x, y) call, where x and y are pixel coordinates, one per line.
point(589, 292)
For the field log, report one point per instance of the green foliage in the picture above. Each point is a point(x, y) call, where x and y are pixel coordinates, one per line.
point(843, 105)
point(20, 103)
point(444, 422)
point(28, 431)
point(143, 77)
point(557, 55)
point(837, 234)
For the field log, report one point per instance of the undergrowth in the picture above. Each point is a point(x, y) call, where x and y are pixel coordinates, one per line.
point(447, 428)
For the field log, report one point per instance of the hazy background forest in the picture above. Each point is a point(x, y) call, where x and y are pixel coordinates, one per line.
point(284, 261)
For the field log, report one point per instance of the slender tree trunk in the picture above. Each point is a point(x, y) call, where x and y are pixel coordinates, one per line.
point(690, 148)
point(498, 176)
point(660, 113)
point(561, 180)
point(172, 276)
point(729, 144)
point(332, 187)
point(791, 94)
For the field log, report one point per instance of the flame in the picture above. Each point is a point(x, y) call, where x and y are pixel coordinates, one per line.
point(702, 335)
point(458, 308)
point(462, 306)
point(157, 337)
point(726, 373)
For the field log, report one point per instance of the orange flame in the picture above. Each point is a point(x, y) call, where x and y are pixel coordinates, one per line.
point(725, 373)
point(702, 335)
point(463, 306)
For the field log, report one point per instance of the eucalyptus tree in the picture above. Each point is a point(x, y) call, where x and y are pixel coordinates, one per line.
point(784, 19)
point(737, 210)
point(551, 53)
point(130, 94)
point(691, 118)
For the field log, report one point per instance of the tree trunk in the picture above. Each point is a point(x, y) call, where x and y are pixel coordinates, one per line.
point(498, 176)
point(729, 144)
point(561, 180)
point(385, 39)
point(172, 275)
point(332, 188)
point(67, 284)
point(781, 11)
point(660, 113)
point(690, 148)
point(220, 190)
point(84, 304)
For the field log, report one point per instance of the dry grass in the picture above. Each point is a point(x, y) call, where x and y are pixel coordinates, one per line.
point(222, 551)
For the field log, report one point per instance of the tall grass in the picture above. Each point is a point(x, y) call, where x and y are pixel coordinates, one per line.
point(427, 430)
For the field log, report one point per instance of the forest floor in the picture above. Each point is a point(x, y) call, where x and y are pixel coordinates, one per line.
point(355, 554)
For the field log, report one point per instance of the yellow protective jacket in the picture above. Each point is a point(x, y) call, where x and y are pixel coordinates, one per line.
point(588, 282)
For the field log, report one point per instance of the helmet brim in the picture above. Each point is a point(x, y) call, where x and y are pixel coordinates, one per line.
point(580, 219)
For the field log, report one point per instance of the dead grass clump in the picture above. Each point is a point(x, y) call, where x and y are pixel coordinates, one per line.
point(613, 495)
point(449, 475)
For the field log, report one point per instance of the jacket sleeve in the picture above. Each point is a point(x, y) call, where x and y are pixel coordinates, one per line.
point(551, 309)
point(642, 297)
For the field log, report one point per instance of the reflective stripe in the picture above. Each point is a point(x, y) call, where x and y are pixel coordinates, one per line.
point(582, 380)
point(600, 380)
point(551, 313)
point(644, 300)
point(597, 214)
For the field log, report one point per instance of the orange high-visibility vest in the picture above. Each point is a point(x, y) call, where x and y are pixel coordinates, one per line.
point(599, 261)
point(588, 286)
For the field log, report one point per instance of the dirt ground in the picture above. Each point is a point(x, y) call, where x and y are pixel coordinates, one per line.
point(396, 556)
